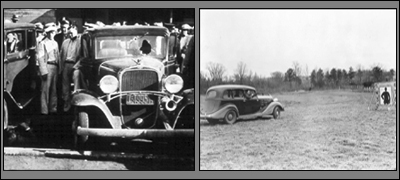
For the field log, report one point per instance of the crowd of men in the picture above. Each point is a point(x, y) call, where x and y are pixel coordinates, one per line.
point(59, 51)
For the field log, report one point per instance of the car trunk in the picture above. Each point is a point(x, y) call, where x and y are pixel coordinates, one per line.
point(211, 106)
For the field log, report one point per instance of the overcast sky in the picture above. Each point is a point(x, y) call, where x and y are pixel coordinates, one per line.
point(270, 40)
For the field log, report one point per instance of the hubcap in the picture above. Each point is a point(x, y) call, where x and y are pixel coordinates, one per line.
point(230, 116)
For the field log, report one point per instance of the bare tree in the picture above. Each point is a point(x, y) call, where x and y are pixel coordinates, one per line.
point(203, 75)
point(240, 72)
point(360, 73)
point(216, 71)
point(306, 71)
point(297, 68)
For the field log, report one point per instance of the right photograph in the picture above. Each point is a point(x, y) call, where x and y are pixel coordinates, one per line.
point(298, 89)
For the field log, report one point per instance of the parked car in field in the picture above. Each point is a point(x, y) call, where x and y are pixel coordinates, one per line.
point(228, 103)
point(21, 81)
point(131, 90)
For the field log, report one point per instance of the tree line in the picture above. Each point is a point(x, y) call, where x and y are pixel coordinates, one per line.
point(295, 78)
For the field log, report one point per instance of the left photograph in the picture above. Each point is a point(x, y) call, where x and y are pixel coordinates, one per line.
point(98, 89)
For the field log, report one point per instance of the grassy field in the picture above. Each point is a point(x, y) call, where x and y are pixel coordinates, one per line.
point(319, 130)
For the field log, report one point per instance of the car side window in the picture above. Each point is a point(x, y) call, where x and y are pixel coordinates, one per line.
point(227, 94)
point(238, 94)
point(251, 94)
point(211, 94)
point(31, 39)
point(15, 41)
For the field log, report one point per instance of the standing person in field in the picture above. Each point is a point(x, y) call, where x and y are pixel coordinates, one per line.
point(49, 62)
point(70, 54)
point(386, 97)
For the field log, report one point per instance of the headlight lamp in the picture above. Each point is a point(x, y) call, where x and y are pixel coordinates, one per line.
point(173, 83)
point(108, 84)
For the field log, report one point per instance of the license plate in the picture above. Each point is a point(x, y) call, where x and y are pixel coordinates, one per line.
point(139, 99)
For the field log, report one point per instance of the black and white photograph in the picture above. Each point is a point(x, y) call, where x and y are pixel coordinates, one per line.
point(99, 89)
point(298, 89)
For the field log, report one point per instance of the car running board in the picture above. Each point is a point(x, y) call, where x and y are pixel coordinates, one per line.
point(254, 116)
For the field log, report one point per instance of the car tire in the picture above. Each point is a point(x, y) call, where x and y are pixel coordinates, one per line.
point(213, 121)
point(5, 113)
point(81, 120)
point(277, 112)
point(230, 117)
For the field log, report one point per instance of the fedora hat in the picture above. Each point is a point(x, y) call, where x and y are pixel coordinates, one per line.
point(50, 27)
point(39, 27)
point(186, 26)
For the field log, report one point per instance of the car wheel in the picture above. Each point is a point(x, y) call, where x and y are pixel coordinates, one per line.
point(81, 120)
point(230, 117)
point(213, 121)
point(277, 112)
point(5, 113)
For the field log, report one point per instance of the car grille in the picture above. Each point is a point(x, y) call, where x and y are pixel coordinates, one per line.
point(139, 80)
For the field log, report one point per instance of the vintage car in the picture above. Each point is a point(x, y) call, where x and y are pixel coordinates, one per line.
point(21, 81)
point(130, 90)
point(228, 103)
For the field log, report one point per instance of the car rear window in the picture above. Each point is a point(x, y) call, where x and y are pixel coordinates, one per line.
point(211, 94)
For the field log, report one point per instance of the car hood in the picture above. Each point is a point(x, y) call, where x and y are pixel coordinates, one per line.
point(265, 97)
point(113, 66)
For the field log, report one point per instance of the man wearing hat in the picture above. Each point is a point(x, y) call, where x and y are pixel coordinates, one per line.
point(184, 41)
point(70, 55)
point(188, 65)
point(49, 65)
point(39, 32)
point(39, 38)
point(61, 37)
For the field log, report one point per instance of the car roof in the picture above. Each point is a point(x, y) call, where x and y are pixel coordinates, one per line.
point(230, 86)
point(9, 26)
point(130, 30)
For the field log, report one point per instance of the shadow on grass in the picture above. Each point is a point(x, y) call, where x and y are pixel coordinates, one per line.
point(204, 122)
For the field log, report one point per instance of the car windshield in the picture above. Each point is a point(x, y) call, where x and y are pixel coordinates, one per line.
point(122, 46)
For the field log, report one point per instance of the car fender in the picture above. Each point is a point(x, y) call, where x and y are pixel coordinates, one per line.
point(271, 107)
point(84, 98)
point(220, 114)
point(185, 104)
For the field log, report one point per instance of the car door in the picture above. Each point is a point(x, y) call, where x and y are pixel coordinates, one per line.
point(20, 75)
point(235, 97)
point(239, 100)
point(251, 104)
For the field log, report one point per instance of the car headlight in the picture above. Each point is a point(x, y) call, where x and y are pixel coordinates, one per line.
point(275, 99)
point(173, 83)
point(109, 84)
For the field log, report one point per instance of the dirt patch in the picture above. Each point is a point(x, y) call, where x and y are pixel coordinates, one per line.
point(46, 163)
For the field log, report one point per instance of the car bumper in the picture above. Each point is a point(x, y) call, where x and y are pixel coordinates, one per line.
point(136, 133)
